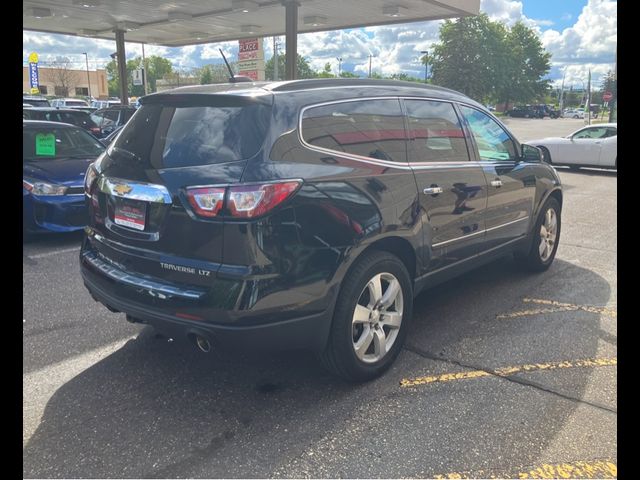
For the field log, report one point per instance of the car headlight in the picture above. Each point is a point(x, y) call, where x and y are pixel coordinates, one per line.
point(44, 188)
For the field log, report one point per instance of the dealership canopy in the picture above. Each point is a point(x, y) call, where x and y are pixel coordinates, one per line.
point(179, 23)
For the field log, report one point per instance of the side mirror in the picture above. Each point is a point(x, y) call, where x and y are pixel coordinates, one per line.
point(531, 154)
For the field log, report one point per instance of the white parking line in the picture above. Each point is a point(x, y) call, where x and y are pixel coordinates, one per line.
point(38, 387)
point(54, 252)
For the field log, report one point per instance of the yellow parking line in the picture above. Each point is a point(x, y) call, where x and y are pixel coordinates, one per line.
point(577, 470)
point(587, 308)
point(557, 307)
point(507, 371)
point(526, 313)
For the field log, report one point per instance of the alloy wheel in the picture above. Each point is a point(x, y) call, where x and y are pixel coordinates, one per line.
point(377, 317)
point(548, 234)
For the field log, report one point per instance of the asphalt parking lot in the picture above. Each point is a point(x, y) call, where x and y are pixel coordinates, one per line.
point(504, 374)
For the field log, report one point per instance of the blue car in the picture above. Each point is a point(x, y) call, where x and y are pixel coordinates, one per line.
point(55, 157)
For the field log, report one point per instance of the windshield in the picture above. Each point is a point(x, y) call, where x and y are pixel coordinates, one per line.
point(47, 143)
point(189, 134)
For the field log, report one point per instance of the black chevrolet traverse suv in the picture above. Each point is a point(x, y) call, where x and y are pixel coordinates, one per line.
point(308, 213)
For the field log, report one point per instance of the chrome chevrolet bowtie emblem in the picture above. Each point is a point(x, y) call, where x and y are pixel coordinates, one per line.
point(122, 189)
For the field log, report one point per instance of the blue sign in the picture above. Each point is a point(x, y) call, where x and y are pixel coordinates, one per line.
point(33, 75)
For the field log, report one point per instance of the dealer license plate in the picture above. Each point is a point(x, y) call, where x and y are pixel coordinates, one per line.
point(130, 214)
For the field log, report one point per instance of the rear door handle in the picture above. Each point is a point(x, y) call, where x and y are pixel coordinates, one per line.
point(433, 190)
point(496, 183)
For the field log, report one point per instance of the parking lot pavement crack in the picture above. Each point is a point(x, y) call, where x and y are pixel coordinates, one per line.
point(480, 371)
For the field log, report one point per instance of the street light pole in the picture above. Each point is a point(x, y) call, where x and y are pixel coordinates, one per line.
point(275, 59)
point(339, 65)
point(86, 59)
point(426, 64)
point(370, 65)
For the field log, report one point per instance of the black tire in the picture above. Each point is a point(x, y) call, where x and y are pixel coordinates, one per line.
point(532, 260)
point(339, 355)
point(546, 156)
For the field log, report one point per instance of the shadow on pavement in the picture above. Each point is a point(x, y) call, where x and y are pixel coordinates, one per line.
point(158, 408)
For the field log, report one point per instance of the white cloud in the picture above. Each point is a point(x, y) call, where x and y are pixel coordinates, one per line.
point(506, 11)
point(395, 48)
point(543, 23)
point(589, 43)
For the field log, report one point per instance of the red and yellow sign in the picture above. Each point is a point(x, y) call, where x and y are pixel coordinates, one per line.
point(251, 58)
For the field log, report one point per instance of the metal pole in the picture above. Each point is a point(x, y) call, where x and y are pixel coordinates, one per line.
point(339, 65)
point(425, 52)
point(291, 27)
point(275, 59)
point(122, 67)
point(144, 71)
point(370, 65)
point(562, 91)
point(589, 99)
point(86, 59)
point(614, 100)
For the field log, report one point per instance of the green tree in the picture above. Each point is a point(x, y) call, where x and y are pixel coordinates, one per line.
point(326, 72)
point(156, 67)
point(345, 74)
point(489, 62)
point(471, 56)
point(609, 83)
point(304, 69)
point(528, 63)
point(206, 77)
point(405, 77)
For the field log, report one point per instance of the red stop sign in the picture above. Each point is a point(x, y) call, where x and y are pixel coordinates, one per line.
point(607, 96)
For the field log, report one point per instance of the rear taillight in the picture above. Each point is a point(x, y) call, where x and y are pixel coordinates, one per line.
point(206, 201)
point(89, 179)
point(240, 201)
point(248, 201)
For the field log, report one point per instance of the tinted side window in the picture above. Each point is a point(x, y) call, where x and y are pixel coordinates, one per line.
point(97, 118)
point(612, 132)
point(368, 128)
point(595, 132)
point(494, 144)
point(435, 132)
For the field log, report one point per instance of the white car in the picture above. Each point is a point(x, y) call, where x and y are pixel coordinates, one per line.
point(573, 113)
point(591, 146)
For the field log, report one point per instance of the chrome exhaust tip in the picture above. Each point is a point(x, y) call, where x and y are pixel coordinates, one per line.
point(203, 344)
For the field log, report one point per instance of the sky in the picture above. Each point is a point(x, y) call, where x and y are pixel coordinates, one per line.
point(580, 35)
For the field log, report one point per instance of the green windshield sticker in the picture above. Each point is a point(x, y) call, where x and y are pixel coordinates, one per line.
point(46, 144)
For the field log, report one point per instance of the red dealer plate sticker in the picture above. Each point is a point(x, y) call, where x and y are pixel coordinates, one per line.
point(130, 214)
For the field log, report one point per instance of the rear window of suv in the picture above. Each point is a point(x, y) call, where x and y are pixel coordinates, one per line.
point(185, 132)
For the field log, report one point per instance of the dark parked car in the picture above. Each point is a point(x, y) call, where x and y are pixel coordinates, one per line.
point(523, 111)
point(85, 109)
point(35, 101)
point(308, 213)
point(55, 157)
point(108, 119)
point(63, 115)
point(546, 111)
point(112, 136)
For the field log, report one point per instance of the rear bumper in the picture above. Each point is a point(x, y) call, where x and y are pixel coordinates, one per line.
point(179, 315)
